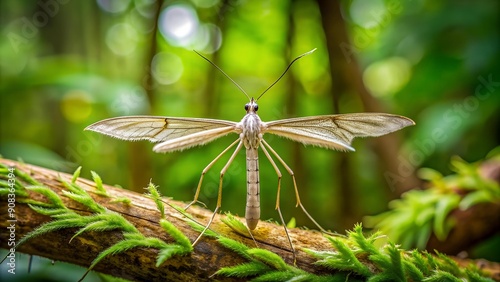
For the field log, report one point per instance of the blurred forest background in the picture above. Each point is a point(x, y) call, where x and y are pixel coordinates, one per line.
point(67, 64)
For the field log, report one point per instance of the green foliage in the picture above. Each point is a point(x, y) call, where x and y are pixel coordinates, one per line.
point(292, 223)
point(178, 236)
point(235, 224)
point(155, 195)
point(262, 264)
point(346, 262)
point(355, 258)
point(11, 181)
point(100, 220)
point(98, 182)
point(420, 212)
point(123, 200)
point(245, 270)
point(388, 262)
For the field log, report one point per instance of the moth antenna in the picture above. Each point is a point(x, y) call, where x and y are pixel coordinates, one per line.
point(289, 65)
point(234, 82)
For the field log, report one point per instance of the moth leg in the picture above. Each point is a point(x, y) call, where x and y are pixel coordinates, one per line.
point(197, 194)
point(299, 203)
point(222, 172)
point(278, 172)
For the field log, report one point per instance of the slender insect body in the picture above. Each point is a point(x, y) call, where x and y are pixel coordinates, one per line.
point(251, 136)
point(252, 212)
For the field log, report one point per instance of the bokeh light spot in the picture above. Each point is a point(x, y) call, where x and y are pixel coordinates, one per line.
point(178, 24)
point(113, 6)
point(367, 13)
point(166, 68)
point(76, 105)
point(122, 39)
point(388, 76)
point(209, 38)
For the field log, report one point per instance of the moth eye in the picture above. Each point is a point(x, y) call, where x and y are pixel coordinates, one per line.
point(246, 107)
point(256, 107)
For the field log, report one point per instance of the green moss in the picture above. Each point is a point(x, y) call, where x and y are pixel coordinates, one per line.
point(355, 258)
point(100, 220)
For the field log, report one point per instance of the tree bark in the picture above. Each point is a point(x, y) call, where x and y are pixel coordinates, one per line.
point(138, 264)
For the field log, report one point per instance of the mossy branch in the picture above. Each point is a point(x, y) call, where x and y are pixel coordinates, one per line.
point(452, 214)
point(138, 237)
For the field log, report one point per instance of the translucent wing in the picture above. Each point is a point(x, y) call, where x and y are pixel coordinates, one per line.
point(337, 131)
point(180, 133)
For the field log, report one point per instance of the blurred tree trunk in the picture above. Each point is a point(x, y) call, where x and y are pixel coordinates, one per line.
point(140, 162)
point(212, 98)
point(291, 111)
point(347, 78)
point(62, 37)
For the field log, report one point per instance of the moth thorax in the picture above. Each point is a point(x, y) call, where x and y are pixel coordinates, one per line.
point(251, 131)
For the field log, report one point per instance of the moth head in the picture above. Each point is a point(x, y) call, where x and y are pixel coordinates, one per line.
point(251, 107)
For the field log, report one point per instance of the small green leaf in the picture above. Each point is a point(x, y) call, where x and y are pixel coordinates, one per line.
point(422, 236)
point(98, 182)
point(123, 200)
point(155, 195)
point(83, 198)
point(396, 264)
point(26, 177)
point(99, 225)
point(318, 254)
point(52, 226)
point(244, 270)
point(460, 166)
point(19, 189)
point(420, 262)
point(443, 208)
point(278, 276)
point(76, 174)
point(51, 195)
point(474, 198)
point(439, 276)
point(413, 271)
point(364, 243)
point(178, 236)
point(447, 264)
point(235, 246)
point(429, 174)
point(345, 259)
point(127, 244)
point(235, 224)
point(50, 211)
point(169, 251)
point(268, 258)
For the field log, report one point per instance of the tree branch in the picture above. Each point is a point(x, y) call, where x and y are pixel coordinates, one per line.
point(138, 264)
